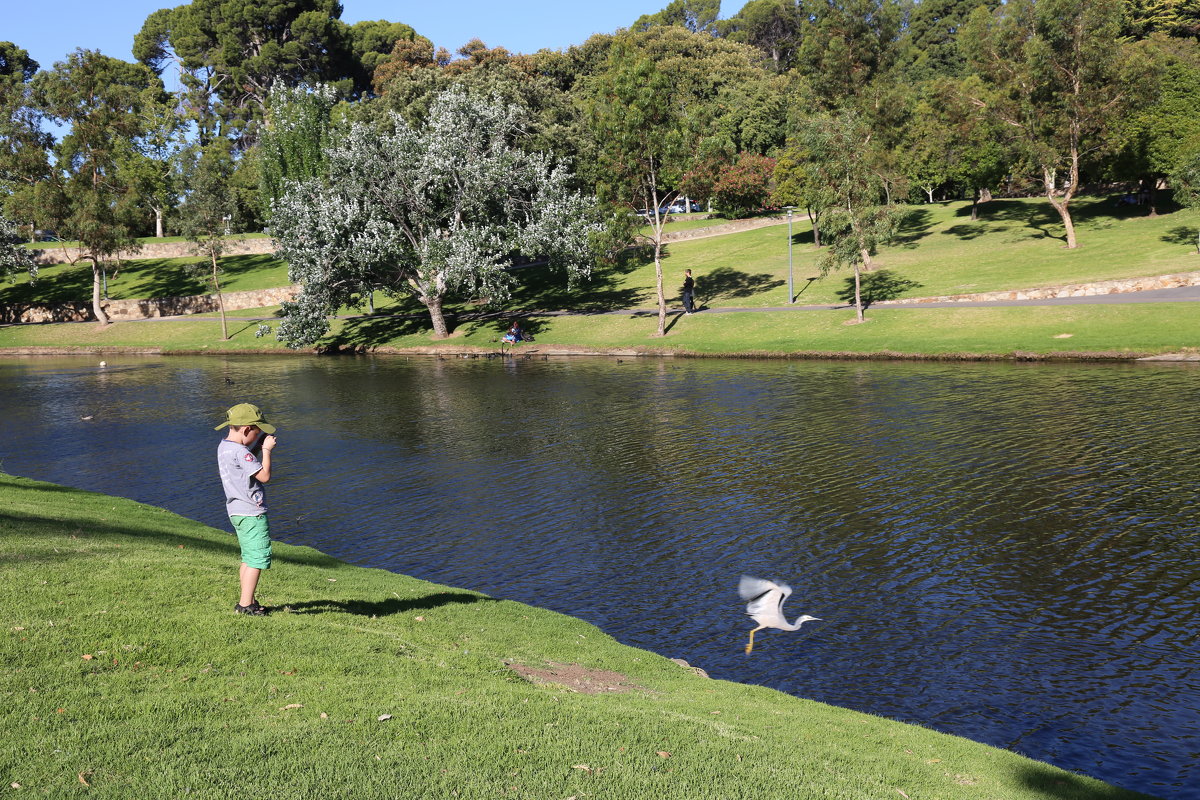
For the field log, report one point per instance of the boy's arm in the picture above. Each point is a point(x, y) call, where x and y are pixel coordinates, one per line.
point(264, 474)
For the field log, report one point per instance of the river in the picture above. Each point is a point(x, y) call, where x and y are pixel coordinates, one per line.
point(1006, 552)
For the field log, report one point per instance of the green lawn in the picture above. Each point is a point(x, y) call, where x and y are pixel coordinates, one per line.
point(145, 278)
point(1015, 244)
point(124, 673)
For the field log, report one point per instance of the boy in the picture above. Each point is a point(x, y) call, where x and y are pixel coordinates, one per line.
point(242, 476)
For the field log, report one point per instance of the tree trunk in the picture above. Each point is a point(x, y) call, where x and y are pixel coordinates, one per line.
point(434, 304)
point(158, 226)
point(1062, 205)
point(929, 191)
point(96, 308)
point(975, 204)
point(858, 293)
point(866, 261)
point(816, 219)
point(658, 276)
point(220, 298)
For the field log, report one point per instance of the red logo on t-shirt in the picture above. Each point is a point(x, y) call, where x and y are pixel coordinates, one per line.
point(248, 457)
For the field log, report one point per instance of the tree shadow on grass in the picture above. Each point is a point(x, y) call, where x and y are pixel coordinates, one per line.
point(387, 607)
point(725, 283)
point(544, 288)
point(1054, 785)
point(363, 333)
point(875, 287)
point(1181, 234)
point(169, 278)
point(915, 225)
point(46, 540)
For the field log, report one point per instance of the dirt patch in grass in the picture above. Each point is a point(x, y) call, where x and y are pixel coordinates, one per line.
point(575, 677)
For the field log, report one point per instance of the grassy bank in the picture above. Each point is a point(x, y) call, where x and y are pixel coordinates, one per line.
point(124, 673)
point(939, 250)
point(146, 278)
point(1119, 331)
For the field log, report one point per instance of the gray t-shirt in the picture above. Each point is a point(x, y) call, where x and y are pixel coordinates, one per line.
point(243, 493)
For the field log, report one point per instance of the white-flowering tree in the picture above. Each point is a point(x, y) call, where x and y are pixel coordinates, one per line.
point(13, 257)
point(425, 212)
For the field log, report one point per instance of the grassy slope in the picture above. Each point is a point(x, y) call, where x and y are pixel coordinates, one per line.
point(143, 278)
point(1014, 245)
point(122, 667)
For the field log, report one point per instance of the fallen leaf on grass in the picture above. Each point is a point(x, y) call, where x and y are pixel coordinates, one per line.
point(383, 717)
point(902, 794)
point(83, 780)
point(88, 657)
point(290, 705)
point(663, 753)
point(419, 619)
point(15, 785)
point(583, 767)
point(324, 715)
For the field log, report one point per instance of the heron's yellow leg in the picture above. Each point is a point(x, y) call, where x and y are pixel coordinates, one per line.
point(750, 644)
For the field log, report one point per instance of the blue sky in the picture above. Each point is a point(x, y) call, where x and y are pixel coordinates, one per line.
point(52, 28)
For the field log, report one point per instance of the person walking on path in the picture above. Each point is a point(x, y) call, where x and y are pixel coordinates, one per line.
point(242, 476)
point(689, 288)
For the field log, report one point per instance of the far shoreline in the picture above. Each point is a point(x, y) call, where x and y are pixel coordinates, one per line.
point(560, 351)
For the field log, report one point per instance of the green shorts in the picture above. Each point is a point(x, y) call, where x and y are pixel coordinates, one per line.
point(254, 535)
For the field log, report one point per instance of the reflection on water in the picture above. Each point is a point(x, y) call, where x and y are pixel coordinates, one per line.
point(1005, 552)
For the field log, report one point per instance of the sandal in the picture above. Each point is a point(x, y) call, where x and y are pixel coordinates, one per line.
point(254, 609)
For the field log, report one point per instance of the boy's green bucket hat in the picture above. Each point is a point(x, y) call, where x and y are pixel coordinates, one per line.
point(246, 414)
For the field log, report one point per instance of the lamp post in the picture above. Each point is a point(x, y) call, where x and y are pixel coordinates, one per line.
point(791, 294)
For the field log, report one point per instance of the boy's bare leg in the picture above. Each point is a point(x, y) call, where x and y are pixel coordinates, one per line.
point(249, 581)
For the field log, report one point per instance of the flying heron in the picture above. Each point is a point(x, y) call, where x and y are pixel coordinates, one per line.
point(765, 606)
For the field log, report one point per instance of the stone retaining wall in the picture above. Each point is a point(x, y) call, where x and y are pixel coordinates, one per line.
point(146, 309)
point(233, 247)
point(1119, 286)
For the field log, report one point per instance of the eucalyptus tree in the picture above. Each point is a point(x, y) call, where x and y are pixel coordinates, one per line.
point(208, 212)
point(1056, 75)
point(102, 100)
point(776, 27)
point(644, 144)
point(856, 221)
point(24, 146)
point(424, 212)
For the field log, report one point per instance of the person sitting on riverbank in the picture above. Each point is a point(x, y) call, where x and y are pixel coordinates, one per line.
point(515, 334)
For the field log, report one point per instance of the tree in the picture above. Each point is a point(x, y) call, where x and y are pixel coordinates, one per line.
point(856, 222)
point(237, 52)
point(1058, 78)
point(1185, 180)
point(424, 212)
point(209, 211)
point(644, 144)
point(292, 146)
point(697, 16)
point(775, 27)
point(745, 185)
point(24, 146)
point(150, 166)
point(1158, 135)
point(102, 99)
point(800, 183)
point(13, 257)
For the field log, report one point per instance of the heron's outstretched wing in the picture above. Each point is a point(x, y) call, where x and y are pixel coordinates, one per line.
point(764, 599)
